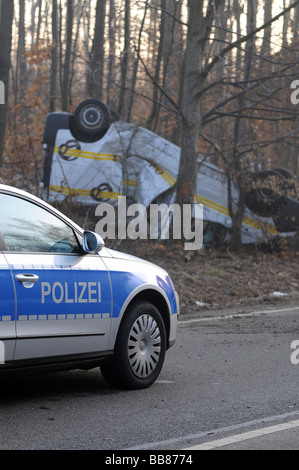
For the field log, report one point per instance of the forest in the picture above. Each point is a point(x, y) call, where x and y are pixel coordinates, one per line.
point(218, 78)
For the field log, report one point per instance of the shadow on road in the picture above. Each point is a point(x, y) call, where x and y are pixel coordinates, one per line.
point(53, 386)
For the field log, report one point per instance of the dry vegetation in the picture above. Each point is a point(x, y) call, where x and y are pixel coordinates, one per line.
point(245, 108)
point(212, 279)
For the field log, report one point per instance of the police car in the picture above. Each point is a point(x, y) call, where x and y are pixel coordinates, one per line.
point(67, 301)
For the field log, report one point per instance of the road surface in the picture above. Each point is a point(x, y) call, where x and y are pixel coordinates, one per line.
point(230, 382)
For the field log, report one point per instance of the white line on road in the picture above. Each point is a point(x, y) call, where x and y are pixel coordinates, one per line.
point(179, 441)
point(244, 436)
point(238, 315)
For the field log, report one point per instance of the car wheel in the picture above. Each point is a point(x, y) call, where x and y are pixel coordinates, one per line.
point(140, 348)
point(267, 193)
point(285, 173)
point(290, 182)
point(90, 121)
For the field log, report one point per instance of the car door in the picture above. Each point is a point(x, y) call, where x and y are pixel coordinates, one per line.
point(7, 311)
point(63, 296)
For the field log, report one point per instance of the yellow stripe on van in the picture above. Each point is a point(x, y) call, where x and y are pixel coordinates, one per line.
point(90, 155)
point(83, 192)
point(246, 220)
point(219, 208)
point(163, 173)
point(169, 179)
point(129, 183)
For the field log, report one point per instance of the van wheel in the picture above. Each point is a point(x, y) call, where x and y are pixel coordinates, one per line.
point(139, 350)
point(90, 121)
point(267, 193)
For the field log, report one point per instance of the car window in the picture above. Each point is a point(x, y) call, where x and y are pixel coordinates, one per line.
point(27, 227)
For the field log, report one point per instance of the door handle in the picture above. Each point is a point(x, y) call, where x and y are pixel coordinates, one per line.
point(28, 280)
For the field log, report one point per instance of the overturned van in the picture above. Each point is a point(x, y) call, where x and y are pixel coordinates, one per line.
point(95, 157)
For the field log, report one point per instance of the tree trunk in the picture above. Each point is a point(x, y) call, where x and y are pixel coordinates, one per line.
point(192, 82)
point(296, 25)
point(65, 91)
point(6, 18)
point(240, 137)
point(54, 68)
point(136, 63)
point(21, 60)
point(266, 45)
point(125, 57)
point(39, 22)
point(156, 106)
point(95, 81)
point(111, 59)
point(285, 29)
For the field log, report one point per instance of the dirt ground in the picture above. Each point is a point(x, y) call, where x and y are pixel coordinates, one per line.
point(212, 279)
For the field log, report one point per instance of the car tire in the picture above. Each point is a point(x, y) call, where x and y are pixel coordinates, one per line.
point(285, 173)
point(90, 121)
point(139, 350)
point(290, 182)
point(267, 193)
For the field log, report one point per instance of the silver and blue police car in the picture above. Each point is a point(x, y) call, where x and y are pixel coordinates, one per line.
point(68, 302)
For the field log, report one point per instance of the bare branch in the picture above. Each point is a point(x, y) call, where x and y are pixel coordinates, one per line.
point(239, 41)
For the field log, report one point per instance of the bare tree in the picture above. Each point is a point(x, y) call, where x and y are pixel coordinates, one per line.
point(6, 18)
point(137, 47)
point(236, 168)
point(21, 60)
point(54, 67)
point(111, 58)
point(39, 5)
point(199, 67)
point(199, 26)
point(155, 106)
point(65, 87)
point(266, 45)
point(125, 57)
point(96, 66)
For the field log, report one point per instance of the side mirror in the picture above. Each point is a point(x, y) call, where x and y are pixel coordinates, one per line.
point(92, 242)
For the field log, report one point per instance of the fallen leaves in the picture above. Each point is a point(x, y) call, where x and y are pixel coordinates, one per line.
point(213, 279)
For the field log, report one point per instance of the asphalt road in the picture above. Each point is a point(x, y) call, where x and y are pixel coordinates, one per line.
point(228, 383)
